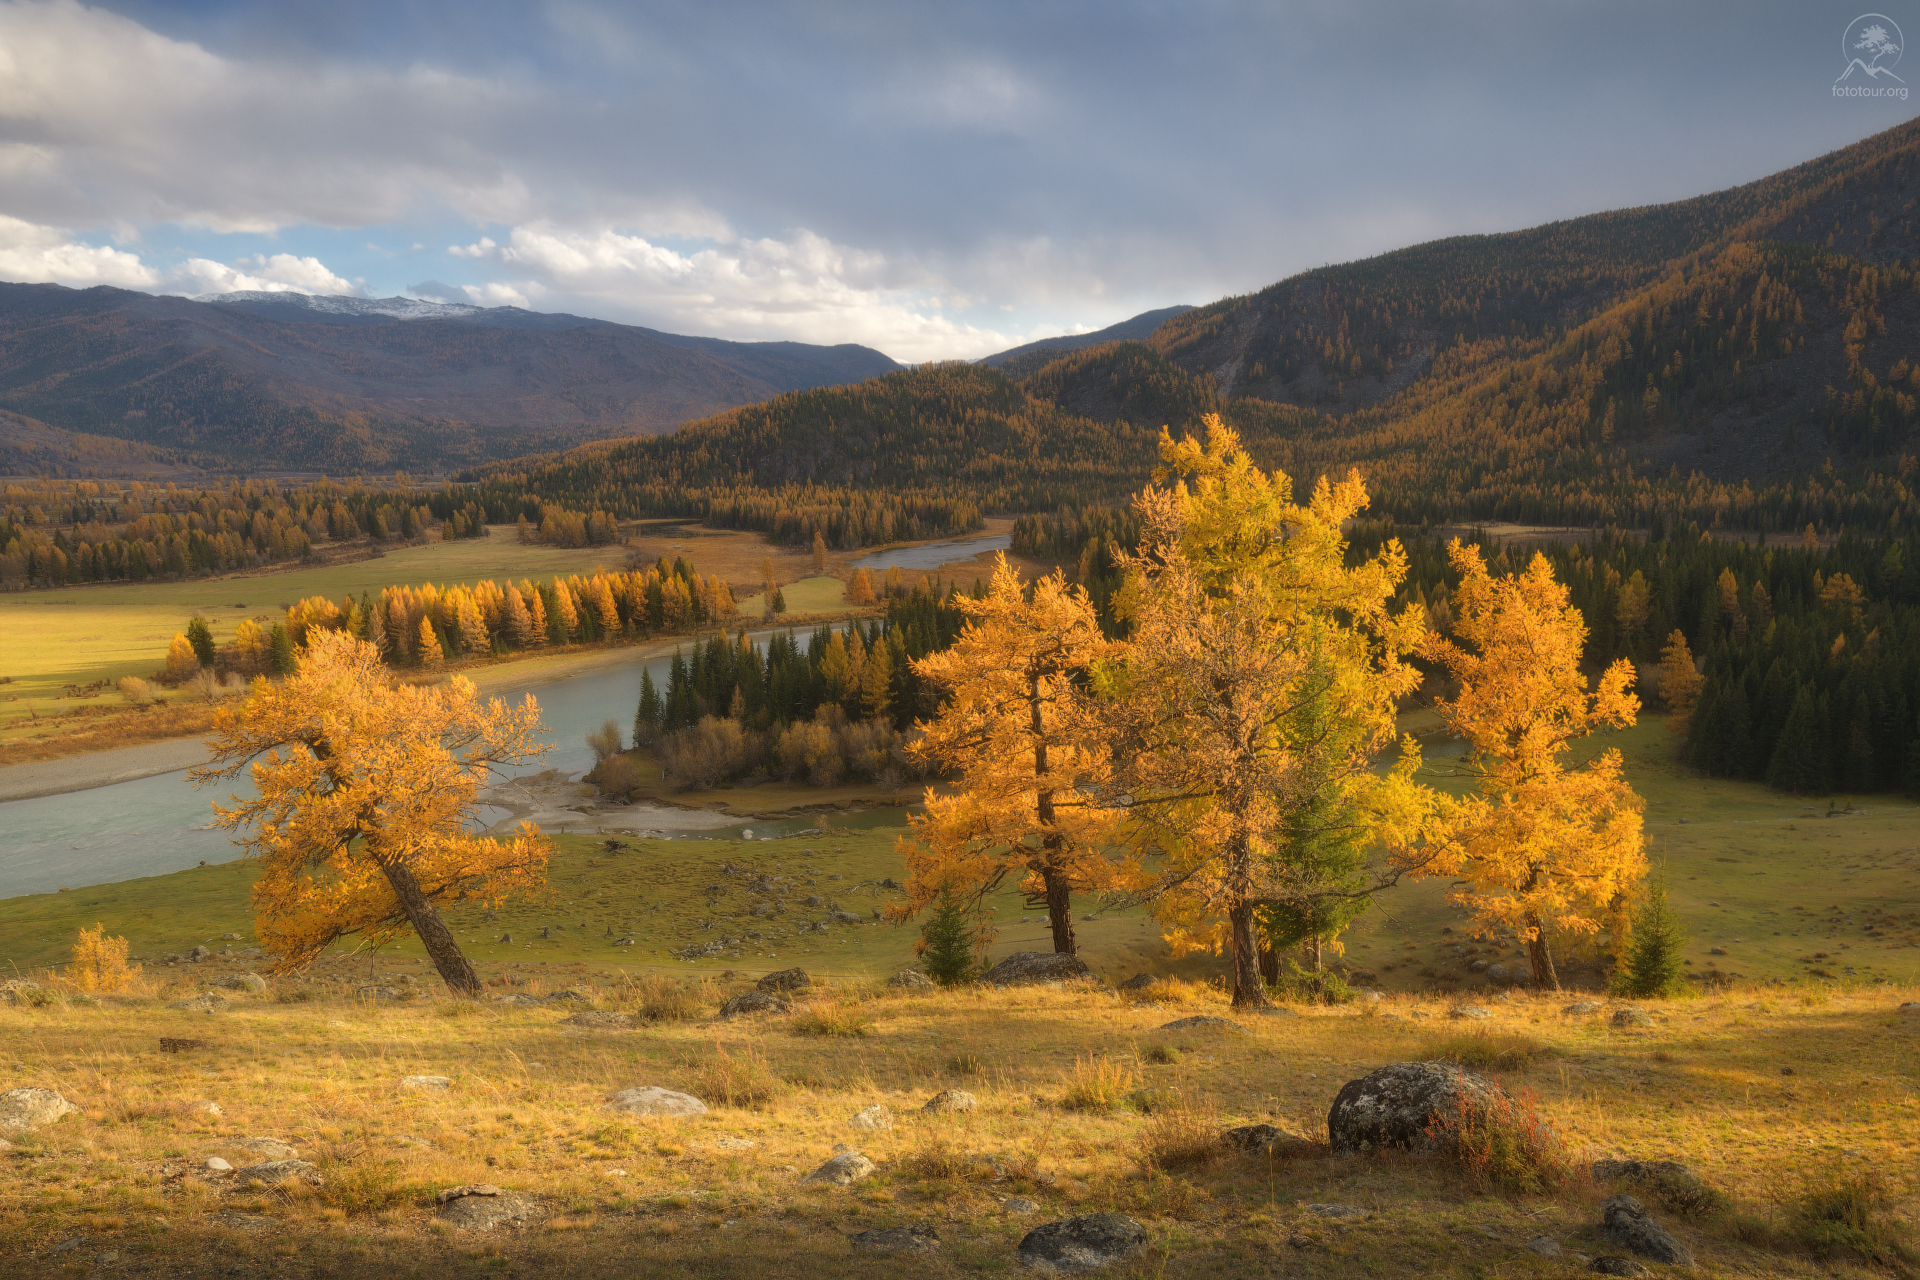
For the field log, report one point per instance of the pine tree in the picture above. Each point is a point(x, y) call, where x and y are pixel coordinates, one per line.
point(280, 647)
point(200, 636)
point(646, 719)
point(1798, 762)
point(779, 601)
point(946, 945)
point(1654, 964)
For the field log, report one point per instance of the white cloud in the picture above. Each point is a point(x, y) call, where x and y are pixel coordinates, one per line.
point(281, 273)
point(33, 254)
point(801, 288)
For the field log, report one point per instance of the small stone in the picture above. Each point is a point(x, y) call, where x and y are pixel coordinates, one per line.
point(843, 1170)
point(1138, 982)
point(208, 1108)
point(199, 953)
point(214, 1164)
point(1075, 1246)
point(1615, 1265)
point(752, 1002)
point(1471, 1011)
point(951, 1100)
point(1203, 1022)
point(426, 1082)
point(727, 1143)
point(230, 937)
point(275, 1172)
point(873, 1117)
point(1626, 1222)
point(205, 1002)
point(599, 1018)
point(1581, 1008)
point(1545, 1246)
point(271, 1148)
point(1337, 1212)
point(24, 1110)
point(785, 980)
point(910, 978)
point(251, 982)
point(649, 1100)
point(896, 1240)
point(1019, 1205)
point(1716, 951)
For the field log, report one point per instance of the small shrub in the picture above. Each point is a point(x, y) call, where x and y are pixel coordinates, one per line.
point(1655, 965)
point(659, 998)
point(1840, 1212)
point(136, 691)
point(604, 741)
point(949, 942)
point(1302, 986)
point(1503, 1145)
point(364, 1185)
point(966, 1064)
point(617, 775)
point(1182, 1135)
point(710, 752)
point(1160, 1055)
point(1098, 1084)
point(1487, 1050)
point(742, 1080)
point(100, 962)
point(821, 1019)
point(292, 995)
point(936, 1159)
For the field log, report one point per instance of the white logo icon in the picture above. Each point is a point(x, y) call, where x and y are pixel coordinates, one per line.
point(1872, 45)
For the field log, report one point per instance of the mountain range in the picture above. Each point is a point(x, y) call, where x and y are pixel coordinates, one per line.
point(293, 381)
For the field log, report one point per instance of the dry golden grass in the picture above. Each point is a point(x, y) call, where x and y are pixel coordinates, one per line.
point(626, 1195)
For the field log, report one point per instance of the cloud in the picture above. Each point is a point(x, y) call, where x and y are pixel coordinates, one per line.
point(800, 287)
point(281, 273)
point(34, 254)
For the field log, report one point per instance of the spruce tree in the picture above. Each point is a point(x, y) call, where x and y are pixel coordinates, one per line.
point(1654, 963)
point(280, 647)
point(200, 636)
point(646, 718)
point(1797, 763)
point(946, 943)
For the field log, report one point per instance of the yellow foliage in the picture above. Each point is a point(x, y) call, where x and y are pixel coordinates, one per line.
point(1544, 848)
point(100, 962)
point(1680, 680)
point(364, 786)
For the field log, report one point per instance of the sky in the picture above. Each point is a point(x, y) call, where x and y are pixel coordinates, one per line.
point(938, 180)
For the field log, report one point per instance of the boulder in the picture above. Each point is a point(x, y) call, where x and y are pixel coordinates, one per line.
point(912, 979)
point(21, 991)
point(469, 1189)
point(600, 1018)
point(483, 1208)
point(1615, 1265)
point(214, 1164)
point(1497, 974)
point(1629, 1016)
point(252, 982)
point(1338, 1212)
point(896, 1240)
point(271, 1148)
point(1545, 1246)
point(951, 1100)
point(785, 980)
point(1075, 1246)
point(199, 953)
point(650, 1100)
point(1138, 982)
point(426, 1082)
point(843, 1170)
point(1471, 1011)
point(275, 1172)
point(1396, 1105)
point(1024, 968)
point(752, 1002)
point(871, 1118)
point(1581, 1008)
point(205, 1002)
point(1019, 1204)
point(1203, 1022)
point(24, 1110)
point(847, 917)
point(1626, 1222)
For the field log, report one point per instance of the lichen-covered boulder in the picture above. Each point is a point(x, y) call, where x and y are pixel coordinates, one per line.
point(1398, 1105)
point(1626, 1222)
point(843, 1170)
point(24, 1110)
point(1075, 1246)
point(896, 1240)
point(951, 1100)
point(1026, 968)
point(785, 980)
point(748, 1003)
point(912, 979)
point(651, 1100)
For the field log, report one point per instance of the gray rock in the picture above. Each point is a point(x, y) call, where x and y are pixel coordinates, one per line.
point(426, 1082)
point(1396, 1106)
point(1629, 1016)
point(570, 995)
point(271, 1148)
point(1020, 1205)
point(1626, 1222)
point(650, 1100)
point(24, 1110)
point(1026, 968)
point(469, 1189)
point(848, 917)
point(1203, 1022)
point(1497, 974)
point(600, 1018)
point(748, 1003)
point(910, 978)
point(896, 1240)
point(785, 980)
point(1251, 1137)
point(1477, 966)
point(873, 1117)
point(1545, 1246)
point(199, 953)
point(1075, 1246)
point(1615, 1265)
point(275, 1172)
point(843, 1170)
point(951, 1100)
point(244, 982)
point(1337, 1212)
point(1367, 995)
point(214, 1164)
point(205, 1002)
point(1138, 982)
point(1581, 1008)
point(22, 991)
point(815, 900)
point(1471, 1011)
point(1910, 1006)
point(484, 1212)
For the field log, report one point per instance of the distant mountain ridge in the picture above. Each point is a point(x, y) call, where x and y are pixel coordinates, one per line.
point(305, 382)
point(1031, 355)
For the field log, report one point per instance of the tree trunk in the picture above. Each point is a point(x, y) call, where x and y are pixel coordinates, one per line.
point(455, 969)
point(1541, 954)
point(1270, 966)
point(1311, 950)
point(1059, 909)
point(1248, 990)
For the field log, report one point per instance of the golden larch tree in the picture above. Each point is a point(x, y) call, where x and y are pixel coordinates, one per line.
point(1680, 680)
point(1029, 758)
point(364, 786)
point(1545, 848)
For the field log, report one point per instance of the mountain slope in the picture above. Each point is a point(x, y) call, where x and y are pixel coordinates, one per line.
point(289, 381)
point(1024, 359)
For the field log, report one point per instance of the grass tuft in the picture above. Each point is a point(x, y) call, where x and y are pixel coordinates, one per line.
point(825, 1019)
point(1185, 1134)
point(742, 1079)
point(1098, 1084)
point(1487, 1050)
point(658, 998)
point(1160, 1055)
